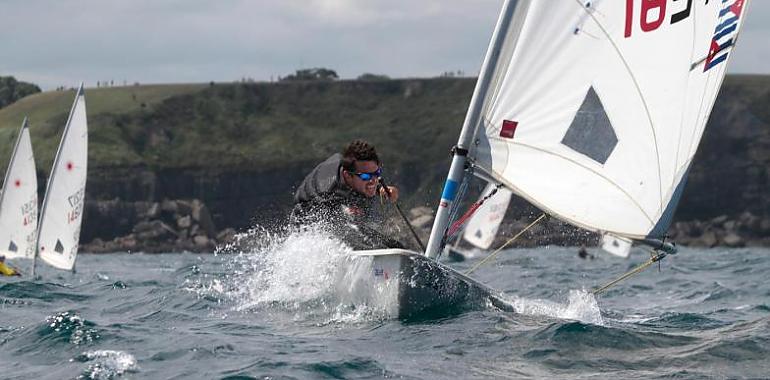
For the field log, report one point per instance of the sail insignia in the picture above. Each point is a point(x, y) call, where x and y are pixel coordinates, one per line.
point(509, 129)
point(13, 247)
point(591, 132)
point(59, 247)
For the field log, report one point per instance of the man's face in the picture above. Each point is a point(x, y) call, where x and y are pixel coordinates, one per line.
point(367, 188)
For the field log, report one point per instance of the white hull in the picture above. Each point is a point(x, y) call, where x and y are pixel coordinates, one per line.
point(408, 285)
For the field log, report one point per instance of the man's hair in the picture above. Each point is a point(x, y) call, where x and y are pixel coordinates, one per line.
point(358, 150)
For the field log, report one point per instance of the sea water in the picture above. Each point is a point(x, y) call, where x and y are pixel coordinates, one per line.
point(275, 305)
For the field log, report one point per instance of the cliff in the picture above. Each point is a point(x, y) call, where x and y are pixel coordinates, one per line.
point(241, 148)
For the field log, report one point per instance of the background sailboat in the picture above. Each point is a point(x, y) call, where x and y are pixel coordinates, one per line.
point(62, 211)
point(481, 229)
point(18, 202)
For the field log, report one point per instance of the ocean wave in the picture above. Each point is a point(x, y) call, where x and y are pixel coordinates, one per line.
point(581, 306)
point(70, 327)
point(106, 364)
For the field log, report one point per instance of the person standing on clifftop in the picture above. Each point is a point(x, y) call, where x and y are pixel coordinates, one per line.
point(341, 193)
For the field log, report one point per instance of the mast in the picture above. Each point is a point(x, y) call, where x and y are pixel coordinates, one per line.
point(457, 169)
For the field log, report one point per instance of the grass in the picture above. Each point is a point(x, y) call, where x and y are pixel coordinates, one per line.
point(260, 126)
point(48, 111)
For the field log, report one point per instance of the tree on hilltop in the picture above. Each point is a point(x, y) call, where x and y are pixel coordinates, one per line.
point(314, 74)
point(12, 90)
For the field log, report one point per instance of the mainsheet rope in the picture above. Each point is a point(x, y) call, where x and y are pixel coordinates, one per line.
point(654, 258)
point(511, 240)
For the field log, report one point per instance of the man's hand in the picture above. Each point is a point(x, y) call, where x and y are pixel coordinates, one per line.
point(390, 193)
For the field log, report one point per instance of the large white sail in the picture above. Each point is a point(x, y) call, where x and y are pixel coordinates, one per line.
point(18, 202)
point(62, 210)
point(596, 108)
point(483, 225)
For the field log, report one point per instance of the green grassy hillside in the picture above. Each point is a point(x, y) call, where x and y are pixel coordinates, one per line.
point(263, 125)
point(48, 111)
point(217, 134)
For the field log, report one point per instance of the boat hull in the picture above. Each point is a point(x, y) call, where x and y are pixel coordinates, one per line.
point(408, 285)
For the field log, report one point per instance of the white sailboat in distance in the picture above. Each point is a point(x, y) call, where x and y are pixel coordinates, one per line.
point(590, 110)
point(62, 210)
point(483, 225)
point(18, 201)
point(481, 229)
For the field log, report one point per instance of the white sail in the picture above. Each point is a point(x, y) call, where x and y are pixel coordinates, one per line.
point(596, 108)
point(62, 210)
point(18, 202)
point(616, 245)
point(483, 225)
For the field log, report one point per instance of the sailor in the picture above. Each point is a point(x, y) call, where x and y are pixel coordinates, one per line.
point(583, 253)
point(7, 270)
point(341, 193)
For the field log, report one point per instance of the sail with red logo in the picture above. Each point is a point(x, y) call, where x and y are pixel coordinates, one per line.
point(590, 110)
point(595, 109)
point(18, 202)
point(62, 211)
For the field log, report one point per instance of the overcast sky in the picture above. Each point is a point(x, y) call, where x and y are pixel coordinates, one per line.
point(63, 42)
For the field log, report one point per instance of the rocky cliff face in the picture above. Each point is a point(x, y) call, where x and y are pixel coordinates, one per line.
point(242, 149)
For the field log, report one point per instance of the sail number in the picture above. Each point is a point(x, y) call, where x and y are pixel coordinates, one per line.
point(652, 14)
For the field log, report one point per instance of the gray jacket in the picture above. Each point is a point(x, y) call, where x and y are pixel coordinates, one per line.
point(323, 197)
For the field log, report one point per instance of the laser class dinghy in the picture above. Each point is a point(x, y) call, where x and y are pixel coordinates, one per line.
point(590, 110)
point(62, 212)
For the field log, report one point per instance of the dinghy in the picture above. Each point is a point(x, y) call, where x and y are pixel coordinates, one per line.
point(62, 211)
point(590, 110)
point(18, 201)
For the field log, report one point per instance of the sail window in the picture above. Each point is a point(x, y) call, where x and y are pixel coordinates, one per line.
point(59, 247)
point(591, 132)
point(12, 247)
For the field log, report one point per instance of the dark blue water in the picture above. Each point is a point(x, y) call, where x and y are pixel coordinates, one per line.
point(279, 310)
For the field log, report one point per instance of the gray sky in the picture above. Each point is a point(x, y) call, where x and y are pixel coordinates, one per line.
point(61, 42)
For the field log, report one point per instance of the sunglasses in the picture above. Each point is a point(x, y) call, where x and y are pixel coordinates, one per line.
point(368, 176)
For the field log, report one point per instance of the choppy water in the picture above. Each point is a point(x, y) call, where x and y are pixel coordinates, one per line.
point(279, 310)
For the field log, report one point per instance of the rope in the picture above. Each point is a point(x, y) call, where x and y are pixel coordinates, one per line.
point(457, 225)
point(654, 259)
point(491, 255)
point(403, 216)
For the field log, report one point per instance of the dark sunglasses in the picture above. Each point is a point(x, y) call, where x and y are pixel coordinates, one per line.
point(368, 176)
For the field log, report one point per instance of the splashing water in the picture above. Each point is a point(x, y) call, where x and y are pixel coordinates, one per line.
point(306, 271)
point(312, 275)
point(581, 306)
point(106, 364)
point(70, 324)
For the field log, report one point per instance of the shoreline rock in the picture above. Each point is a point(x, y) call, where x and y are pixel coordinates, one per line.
point(187, 226)
point(161, 227)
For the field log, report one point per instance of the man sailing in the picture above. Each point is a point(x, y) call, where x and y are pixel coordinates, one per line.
point(341, 193)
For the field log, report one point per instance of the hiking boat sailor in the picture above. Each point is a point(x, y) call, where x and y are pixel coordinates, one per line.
point(341, 194)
